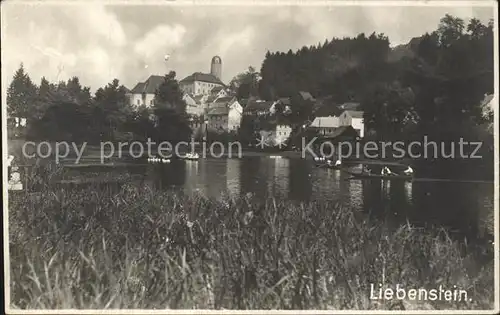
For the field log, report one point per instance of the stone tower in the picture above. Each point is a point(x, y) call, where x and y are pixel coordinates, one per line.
point(216, 67)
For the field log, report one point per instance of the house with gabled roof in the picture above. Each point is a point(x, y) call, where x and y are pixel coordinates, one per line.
point(200, 83)
point(193, 105)
point(200, 99)
point(224, 115)
point(282, 105)
point(256, 107)
point(306, 96)
point(203, 83)
point(143, 93)
point(353, 118)
point(219, 91)
point(325, 126)
point(221, 101)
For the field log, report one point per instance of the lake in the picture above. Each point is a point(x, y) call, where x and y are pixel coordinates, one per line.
point(464, 207)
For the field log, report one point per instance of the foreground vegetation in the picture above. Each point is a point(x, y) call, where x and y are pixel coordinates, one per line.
point(137, 248)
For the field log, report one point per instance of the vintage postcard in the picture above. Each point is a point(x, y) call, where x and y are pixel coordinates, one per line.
point(269, 157)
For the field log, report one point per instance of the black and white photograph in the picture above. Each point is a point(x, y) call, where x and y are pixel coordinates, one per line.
point(272, 157)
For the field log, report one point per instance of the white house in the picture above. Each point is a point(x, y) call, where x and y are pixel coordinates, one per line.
point(200, 83)
point(353, 118)
point(326, 125)
point(283, 132)
point(224, 115)
point(277, 135)
point(144, 92)
point(203, 83)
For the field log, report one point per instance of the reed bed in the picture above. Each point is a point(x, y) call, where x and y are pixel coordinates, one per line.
point(139, 248)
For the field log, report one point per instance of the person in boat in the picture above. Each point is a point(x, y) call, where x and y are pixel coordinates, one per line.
point(338, 163)
point(408, 171)
point(366, 169)
point(386, 171)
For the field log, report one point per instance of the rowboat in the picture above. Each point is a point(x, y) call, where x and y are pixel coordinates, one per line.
point(191, 156)
point(359, 175)
point(325, 163)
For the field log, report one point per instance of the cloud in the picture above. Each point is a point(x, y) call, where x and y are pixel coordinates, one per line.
point(99, 43)
point(228, 43)
point(162, 39)
point(97, 21)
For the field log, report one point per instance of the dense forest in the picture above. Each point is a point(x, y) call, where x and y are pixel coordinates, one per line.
point(433, 85)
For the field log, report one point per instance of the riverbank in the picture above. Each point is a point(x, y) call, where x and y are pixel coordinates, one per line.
point(141, 248)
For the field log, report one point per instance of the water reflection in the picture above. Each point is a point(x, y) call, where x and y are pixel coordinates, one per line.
point(467, 207)
point(233, 177)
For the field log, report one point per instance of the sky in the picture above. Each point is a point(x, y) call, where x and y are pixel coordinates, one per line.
point(99, 42)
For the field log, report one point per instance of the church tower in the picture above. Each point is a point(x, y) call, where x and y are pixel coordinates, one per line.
point(216, 67)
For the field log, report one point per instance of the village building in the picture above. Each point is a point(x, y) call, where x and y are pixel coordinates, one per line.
point(306, 96)
point(283, 132)
point(276, 135)
point(143, 94)
point(282, 105)
point(355, 119)
point(200, 99)
point(203, 83)
point(257, 107)
point(243, 102)
point(303, 99)
point(224, 115)
point(218, 91)
point(193, 105)
point(325, 126)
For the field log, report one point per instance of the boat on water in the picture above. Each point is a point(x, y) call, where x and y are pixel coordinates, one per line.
point(364, 175)
point(323, 162)
point(157, 160)
point(191, 156)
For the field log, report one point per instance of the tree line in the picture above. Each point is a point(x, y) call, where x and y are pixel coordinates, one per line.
point(68, 111)
point(432, 84)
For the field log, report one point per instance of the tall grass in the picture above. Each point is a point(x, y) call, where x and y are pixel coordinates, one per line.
point(138, 248)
